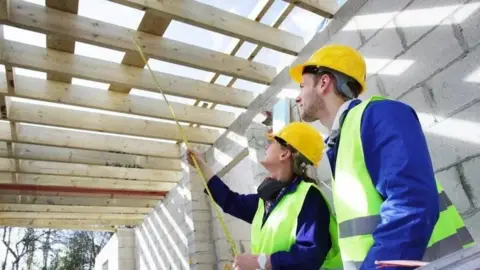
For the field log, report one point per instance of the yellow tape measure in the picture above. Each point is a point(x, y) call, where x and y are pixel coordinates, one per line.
point(184, 138)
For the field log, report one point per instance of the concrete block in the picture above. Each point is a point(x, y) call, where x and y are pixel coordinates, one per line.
point(126, 264)
point(468, 18)
point(375, 14)
point(223, 250)
point(125, 253)
point(419, 100)
point(450, 181)
point(207, 257)
point(200, 215)
point(386, 44)
point(429, 55)
point(455, 138)
point(473, 225)
point(204, 267)
point(450, 87)
point(422, 15)
point(201, 246)
point(471, 169)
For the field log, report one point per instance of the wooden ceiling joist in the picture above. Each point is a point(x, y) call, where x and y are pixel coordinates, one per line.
point(78, 139)
point(72, 209)
point(100, 121)
point(64, 93)
point(324, 8)
point(77, 200)
point(47, 60)
point(85, 182)
point(61, 224)
point(52, 23)
point(4, 10)
point(56, 42)
point(74, 169)
point(89, 157)
point(221, 21)
point(67, 215)
point(152, 24)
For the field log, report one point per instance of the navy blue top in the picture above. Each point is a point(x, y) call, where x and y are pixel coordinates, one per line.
point(399, 164)
point(313, 237)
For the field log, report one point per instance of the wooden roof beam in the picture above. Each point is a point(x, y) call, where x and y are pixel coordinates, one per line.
point(88, 157)
point(80, 139)
point(4, 207)
point(4, 10)
point(64, 93)
point(59, 43)
point(324, 8)
point(64, 224)
point(46, 114)
point(85, 182)
point(66, 215)
point(48, 60)
point(53, 22)
point(74, 169)
point(77, 200)
point(221, 21)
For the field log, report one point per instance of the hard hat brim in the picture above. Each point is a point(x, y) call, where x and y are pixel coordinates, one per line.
point(297, 70)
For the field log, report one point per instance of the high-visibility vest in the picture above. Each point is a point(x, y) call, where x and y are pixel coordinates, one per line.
point(280, 229)
point(357, 202)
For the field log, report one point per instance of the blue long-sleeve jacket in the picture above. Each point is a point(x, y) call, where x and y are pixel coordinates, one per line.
point(399, 164)
point(312, 239)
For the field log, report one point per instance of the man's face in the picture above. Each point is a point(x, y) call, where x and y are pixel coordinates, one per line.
point(309, 100)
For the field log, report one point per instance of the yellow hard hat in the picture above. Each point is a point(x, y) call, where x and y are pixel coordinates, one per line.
point(304, 138)
point(341, 58)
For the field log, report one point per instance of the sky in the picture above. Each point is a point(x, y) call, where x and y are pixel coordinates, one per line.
point(300, 22)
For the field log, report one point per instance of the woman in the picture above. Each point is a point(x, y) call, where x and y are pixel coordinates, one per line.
point(292, 226)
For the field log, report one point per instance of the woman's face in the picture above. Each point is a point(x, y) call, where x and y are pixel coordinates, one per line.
point(275, 155)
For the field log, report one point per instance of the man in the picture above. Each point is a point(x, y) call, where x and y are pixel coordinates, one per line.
point(292, 227)
point(388, 204)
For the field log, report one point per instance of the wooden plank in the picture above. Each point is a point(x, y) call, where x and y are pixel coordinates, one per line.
point(103, 121)
point(78, 222)
point(67, 215)
point(89, 157)
point(58, 43)
point(152, 24)
point(224, 22)
point(72, 209)
point(47, 60)
point(69, 26)
point(324, 8)
point(77, 200)
point(74, 169)
point(59, 92)
point(57, 224)
point(3, 81)
point(85, 182)
point(74, 138)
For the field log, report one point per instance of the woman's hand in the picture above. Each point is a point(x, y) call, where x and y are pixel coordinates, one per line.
point(198, 157)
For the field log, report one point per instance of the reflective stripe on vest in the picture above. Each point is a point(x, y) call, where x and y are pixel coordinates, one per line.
point(357, 202)
point(280, 229)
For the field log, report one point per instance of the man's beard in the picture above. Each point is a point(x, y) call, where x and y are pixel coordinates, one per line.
point(308, 114)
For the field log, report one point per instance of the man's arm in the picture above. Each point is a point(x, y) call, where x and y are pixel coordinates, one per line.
point(398, 160)
point(240, 206)
point(313, 236)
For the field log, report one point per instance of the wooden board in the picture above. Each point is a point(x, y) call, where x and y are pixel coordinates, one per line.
point(71, 27)
point(73, 209)
point(90, 157)
point(59, 92)
point(97, 121)
point(47, 60)
point(222, 21)
point(77, 200)
point(62, 224)
point(325, 8)
point(85, 182)
point(67, 215)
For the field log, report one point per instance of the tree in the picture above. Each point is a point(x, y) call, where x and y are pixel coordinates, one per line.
point(24, 246)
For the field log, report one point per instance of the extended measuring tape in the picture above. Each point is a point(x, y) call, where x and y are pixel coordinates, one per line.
point(184, 138)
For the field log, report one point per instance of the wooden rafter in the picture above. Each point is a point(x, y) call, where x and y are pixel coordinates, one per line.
point(72, 209)
point(152, 24)
point(221, 21)
point(78, 139)
point(52, 22)
point(117, 102)
point(63, 224)
point(74, 169)
point(78, 200)
point(66, 215)
point(47, 60)
point(324, 8)
point(85, 182)
point(56, 42)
